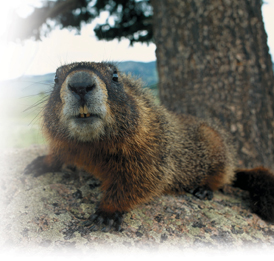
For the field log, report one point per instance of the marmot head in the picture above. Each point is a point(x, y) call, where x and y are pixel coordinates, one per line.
point(91, 101)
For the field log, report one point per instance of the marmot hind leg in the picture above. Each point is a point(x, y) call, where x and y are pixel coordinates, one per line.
point(220, 154)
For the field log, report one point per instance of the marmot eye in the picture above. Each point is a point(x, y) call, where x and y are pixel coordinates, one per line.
point(115, 76)
point(56, 80)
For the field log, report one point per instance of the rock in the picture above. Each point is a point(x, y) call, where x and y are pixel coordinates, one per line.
point(47, 213)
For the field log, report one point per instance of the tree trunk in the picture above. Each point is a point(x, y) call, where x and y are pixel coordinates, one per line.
point(213, 61)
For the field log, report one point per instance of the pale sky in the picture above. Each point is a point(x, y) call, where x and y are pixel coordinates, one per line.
point(62, 46)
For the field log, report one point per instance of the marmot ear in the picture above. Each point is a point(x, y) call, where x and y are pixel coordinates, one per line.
point(56, 80)
point(115, 76)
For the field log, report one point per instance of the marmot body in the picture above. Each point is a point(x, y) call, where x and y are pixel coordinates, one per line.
point(105, 123)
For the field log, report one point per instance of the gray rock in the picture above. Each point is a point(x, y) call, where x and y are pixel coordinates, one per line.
point(46, 213)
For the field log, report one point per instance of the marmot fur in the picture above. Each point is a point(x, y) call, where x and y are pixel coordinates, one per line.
point(105, 123)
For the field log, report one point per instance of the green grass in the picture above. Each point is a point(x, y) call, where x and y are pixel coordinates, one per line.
point(20, 122)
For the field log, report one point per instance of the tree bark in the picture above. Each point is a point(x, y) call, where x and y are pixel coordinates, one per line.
point(213, 61)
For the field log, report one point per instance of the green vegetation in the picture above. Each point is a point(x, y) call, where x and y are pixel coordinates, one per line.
point(21, 122)
point(131, 19)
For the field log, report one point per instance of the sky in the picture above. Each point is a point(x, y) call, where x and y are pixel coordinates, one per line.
point(63, 46)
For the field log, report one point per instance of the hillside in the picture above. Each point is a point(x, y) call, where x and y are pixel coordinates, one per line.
point(34, 84)
point(146, 71)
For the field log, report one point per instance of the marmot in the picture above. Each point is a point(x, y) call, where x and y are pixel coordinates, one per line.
point(105, 123)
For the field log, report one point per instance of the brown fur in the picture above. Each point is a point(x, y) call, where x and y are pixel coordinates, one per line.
point(140, 150)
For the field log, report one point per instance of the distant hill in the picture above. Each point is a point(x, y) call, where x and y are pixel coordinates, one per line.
point(26, 86)
point(34, 84)
point(146, 71)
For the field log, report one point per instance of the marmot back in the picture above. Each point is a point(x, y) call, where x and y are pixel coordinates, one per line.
point(105, 123)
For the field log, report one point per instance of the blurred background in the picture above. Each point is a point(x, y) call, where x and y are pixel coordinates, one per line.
point(39, 36)
point(28, 67)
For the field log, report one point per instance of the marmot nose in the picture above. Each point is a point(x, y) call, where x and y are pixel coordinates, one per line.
point(80, 90)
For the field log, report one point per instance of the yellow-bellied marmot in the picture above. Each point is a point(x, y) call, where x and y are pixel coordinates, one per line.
point(105, 123)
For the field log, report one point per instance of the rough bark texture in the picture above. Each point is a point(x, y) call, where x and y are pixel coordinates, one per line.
point(213, 61)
